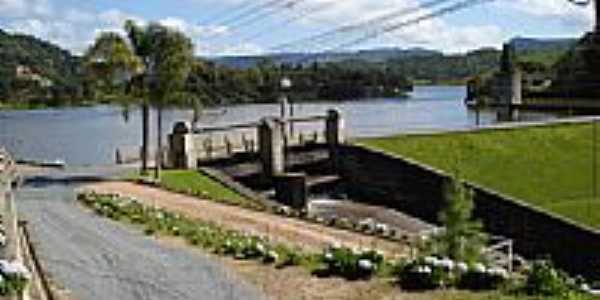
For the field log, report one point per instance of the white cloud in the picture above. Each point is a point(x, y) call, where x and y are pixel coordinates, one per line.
point(230, 49)
point(193, 30)
point(577, 16)
point(24, 8)
point(75, 29)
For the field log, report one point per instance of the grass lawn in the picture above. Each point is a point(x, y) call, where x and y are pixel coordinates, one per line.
point(551, 167)
point(193, 182)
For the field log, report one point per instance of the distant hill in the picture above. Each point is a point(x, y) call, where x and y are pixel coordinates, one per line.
point(37, 56)
point(530, 44)
point(373, 56)
point(544, 52)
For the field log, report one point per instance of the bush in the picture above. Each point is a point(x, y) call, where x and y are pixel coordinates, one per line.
point(545, 280)
point(432, 273)
point(424, 275)
point(351, 264)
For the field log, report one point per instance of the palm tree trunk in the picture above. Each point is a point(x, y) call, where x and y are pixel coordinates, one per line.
point(145, 137)
point(159, 152)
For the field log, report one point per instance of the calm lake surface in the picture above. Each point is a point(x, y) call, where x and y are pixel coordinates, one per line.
point(90, 135)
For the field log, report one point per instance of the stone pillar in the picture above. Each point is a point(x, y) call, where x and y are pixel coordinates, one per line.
point(334, 135)
point(182, 150)
point(271, 147)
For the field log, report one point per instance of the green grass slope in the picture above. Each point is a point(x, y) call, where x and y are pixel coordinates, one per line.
point(550, 167)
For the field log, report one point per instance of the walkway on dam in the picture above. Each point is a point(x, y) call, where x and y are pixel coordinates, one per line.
point(98, 259)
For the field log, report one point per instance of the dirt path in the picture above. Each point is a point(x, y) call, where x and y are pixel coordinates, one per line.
point(98, 259)
point(277, 228)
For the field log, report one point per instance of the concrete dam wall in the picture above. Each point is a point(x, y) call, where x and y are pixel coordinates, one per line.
point(400, 183)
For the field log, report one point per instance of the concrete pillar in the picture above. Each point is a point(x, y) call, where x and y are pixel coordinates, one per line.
point(182, 150)
point(271, 146)
point(291, 190)
point(334, 128)
point(334, 135)
point(516, 87)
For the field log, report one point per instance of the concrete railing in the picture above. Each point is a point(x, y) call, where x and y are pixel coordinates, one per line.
point(267, 138)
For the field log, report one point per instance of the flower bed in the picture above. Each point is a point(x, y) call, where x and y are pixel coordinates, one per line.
point(425, 273)
point(203, 234)
point(432, 273)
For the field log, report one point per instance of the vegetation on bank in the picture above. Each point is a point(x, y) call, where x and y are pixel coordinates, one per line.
point(551, 167)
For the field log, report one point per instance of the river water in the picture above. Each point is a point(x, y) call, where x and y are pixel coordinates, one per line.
point(90, 135)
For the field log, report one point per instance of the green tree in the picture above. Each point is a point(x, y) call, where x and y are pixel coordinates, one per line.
point(154, 64)
point(172, 56)
point(462, 238)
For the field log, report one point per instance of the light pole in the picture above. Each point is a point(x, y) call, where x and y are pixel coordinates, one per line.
point(286, 85)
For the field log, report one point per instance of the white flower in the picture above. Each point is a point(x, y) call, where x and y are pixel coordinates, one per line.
point(479, 268)
point(500, 272)
point(367, 223)
point(431, 260)
point(365, 265)
point(424, 270)
point(273, 255)
point(585, 288)
point(447, 264)
point(15, 268)
point(336, 246)
point(462, 267)
point(381, 228)
point(260, 248)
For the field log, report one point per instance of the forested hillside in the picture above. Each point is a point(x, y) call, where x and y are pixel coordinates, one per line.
point(37, 73)
point(42, 60)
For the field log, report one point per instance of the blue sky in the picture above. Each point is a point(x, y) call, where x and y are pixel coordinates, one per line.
point(73, 24)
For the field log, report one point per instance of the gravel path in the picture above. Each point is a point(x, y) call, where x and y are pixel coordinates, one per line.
point(287, 230)
point(99, 259)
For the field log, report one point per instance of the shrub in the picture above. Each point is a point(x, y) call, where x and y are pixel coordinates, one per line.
point(432, 273)
point(545, 280)
point(351, 264)
point(423, 275)
point(478, 280)
point(288, 257)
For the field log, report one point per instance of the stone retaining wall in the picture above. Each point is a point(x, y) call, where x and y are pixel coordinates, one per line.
point(400, 183)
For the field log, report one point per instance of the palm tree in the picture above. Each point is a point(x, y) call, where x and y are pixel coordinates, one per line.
point(173, 57)
point(159, 60)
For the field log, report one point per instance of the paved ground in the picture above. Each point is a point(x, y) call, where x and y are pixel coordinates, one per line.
point(98, 259)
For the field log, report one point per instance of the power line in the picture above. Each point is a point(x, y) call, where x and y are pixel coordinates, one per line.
point(436, 14)
point(224, 12)
point(286, 22)
point(401, 25)
point(353, 28)
point(248, 12)
point(267, 13)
